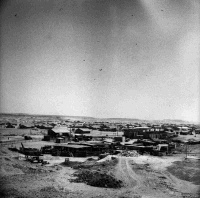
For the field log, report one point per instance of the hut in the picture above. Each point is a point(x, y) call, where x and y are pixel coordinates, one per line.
point(58, 134)
point(71, 150)
point(82, 130)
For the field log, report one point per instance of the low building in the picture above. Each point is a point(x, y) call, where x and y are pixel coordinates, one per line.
point(197, 131)
point(59, 131)
point(61, 140)
point(79, 125)
point(136, 133)
point(182, 130)
point(155, 134)
point(82, 131)
point(96, 126)
point(145, 132)
point(58, 134)
point(71, 150)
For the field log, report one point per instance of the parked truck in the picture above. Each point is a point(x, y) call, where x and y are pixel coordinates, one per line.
point(32, 154)
point(47, 149)
point(30, 151)
point(160, 150)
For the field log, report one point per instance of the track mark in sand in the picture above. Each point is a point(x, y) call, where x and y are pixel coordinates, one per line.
point(133, 175)
point(127, 178)
point(154, 183)
point(169, 183)
point(61, 179)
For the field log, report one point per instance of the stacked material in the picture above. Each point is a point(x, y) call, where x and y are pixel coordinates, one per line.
point(129, 154)
point(97, 178)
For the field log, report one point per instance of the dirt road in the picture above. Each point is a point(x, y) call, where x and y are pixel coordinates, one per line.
point(125, 173)
point(143, 180)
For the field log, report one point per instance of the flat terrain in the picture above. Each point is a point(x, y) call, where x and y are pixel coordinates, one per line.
point(142, 176)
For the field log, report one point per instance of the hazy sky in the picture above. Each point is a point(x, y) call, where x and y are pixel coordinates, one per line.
point(101, 58)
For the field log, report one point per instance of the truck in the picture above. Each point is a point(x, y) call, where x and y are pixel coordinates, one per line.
point(35, 159)
point(31, 154)
point(30, 151)
point(160, 150)
point(47, 149)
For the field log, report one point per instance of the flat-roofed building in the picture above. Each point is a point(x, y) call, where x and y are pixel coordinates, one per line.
point(82, 130)
point(136, 133)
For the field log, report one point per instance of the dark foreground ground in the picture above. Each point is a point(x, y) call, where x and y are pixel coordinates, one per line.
point(124, 177)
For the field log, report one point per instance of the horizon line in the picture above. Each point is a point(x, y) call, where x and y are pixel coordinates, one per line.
point(141, 119)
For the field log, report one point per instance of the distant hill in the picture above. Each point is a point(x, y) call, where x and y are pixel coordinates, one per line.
point(180, 121)
point(93, 119)
point(129, 120)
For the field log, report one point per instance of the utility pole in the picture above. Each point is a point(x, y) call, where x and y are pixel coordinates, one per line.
point(117, 130)
point(186, 149)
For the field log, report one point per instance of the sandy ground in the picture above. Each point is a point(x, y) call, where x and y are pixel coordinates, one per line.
point(143, 176)
point(187, 137)
point(12, 134)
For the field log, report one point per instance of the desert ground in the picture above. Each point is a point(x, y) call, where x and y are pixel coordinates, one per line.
point(122, 176)
point(140, 176)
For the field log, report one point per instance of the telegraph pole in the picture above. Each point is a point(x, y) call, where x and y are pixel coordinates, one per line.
point(186, 150)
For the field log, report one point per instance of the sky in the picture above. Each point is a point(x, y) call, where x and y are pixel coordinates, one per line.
point(101, 58)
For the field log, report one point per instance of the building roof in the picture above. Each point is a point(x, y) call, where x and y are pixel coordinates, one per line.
point(133, 129)
point(143, 127)
point(106, 133)
point(95, 144)
point(134, 145)
point(84, 129)
point(96, 126)
point(71, 145)
point(61, 130)
point(183, 127)
point(91, 135)
point(90, 143)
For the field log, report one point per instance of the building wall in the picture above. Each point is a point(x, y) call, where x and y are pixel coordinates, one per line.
point(145, 133)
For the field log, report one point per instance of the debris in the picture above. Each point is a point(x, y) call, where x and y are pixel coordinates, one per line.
point(97, 178)
point(129, 154)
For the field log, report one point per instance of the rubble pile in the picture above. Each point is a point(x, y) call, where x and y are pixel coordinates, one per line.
point(97, 178)
point(129, 154)
point(103, 163)
point(30, 169)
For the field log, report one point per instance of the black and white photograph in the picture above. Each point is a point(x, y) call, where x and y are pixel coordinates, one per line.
point(100, 98)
